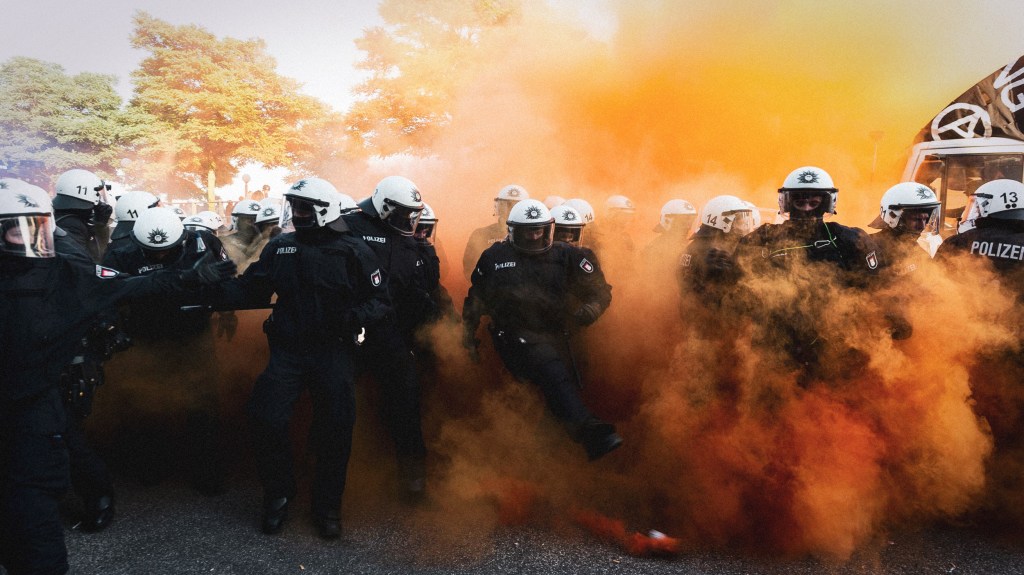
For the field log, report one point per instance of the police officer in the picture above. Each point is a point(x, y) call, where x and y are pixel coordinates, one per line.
point(205, 221)
point(80, 210)
point(824, 257)
point(242, 243)
point(706, 268)
point(998, 232)
point(569, 226)
point(129, 206)
point(674, 224)
point(482, 238)
point(329, 286)
point(47, 304)
point(526, 284)
point(387, 222)
point(426, 240)
point(174, 336)
point(907, 210)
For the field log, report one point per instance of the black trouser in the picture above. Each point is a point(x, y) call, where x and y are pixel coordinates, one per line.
point(327, 370)
point(89, 475)
point(543, 359)
point(388, 356)
point(33, 477)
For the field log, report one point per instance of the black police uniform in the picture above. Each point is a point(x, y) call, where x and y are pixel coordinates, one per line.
point(480, 240)
point(1001, 242)
point(903, 255)
point(328, 286)
point(706, 269)
point(388, 351)
point(175, 332)
point(46, 307)
point(843, 257)
point(80, 224)
point(121, 235)
point(532, 300)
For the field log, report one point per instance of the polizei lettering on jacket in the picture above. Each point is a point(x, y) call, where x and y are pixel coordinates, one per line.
point(378, 239)
point(504, 265)
point(286, 250)
point(998, 250)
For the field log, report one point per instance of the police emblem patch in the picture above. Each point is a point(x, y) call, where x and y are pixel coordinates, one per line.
point(269, 211)
point(532, 213)
point(416, 197)
point(255, 207)
point(807, 177)
point(25, 201)
point(157, 236)
point(105, 273)
point(375, 278)
point(586, 266)
point(872, 260)
point(684, 260)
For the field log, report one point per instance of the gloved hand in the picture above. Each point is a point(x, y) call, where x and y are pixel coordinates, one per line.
point(587, 314)
point(471, 343)
point(227, 324)
point(717, 260)
point(101, 213)
point(208, 271)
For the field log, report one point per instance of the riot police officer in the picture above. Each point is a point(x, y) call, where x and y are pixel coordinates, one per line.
point(242, 242)
point(674, 225)
point(526, 284)
point(329, 287)
point(907, 210)
point(47, 304)
point(482, 238)
point(129, 206)
point(80, 210)
point(706, 268)
point(387, 222)
point(174, 337)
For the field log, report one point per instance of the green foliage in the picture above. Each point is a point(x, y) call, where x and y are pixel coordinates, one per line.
point(51, 122)
point(215, 104)
point(417, 61)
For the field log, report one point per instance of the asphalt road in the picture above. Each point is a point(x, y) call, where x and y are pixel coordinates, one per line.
point(171, 529)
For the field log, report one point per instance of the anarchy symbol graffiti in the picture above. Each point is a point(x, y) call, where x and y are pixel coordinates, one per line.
point(962, 126)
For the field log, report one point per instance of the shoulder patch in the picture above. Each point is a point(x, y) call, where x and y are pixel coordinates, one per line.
point(200, 245)
point(586, 266)
point(375, 277)
point(872, 260)
point(684, 260)
point(106, 273)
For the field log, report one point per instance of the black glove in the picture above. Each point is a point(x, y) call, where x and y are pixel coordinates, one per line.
point(207, 271)
point(101, 213)
point(587, 313)
point(470, 342)
point(718, 261)
point(227, 324)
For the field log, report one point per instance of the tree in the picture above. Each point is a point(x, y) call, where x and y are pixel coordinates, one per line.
point(51, 122)
point(416, 62)
point(214, 105)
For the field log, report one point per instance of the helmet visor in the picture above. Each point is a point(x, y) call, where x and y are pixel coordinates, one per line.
point(806, 204)
point(402, 218)
point(27, 236)
point(572, 235)
point(918, 220)
point(532, 238)
point(425, 232)
point(742, 222)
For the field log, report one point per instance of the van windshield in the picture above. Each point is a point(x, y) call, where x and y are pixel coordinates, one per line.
point(955, 179)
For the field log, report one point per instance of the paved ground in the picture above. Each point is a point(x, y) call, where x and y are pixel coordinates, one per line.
point(170, 529)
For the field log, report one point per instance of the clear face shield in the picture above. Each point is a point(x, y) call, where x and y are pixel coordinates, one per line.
point(918, 220)
point(502, 209)
point(425, 232)
point(742, 222)
point(284, 221)
point(401, 218)
point(572, 235)
point(27, 236)
point(532, 238)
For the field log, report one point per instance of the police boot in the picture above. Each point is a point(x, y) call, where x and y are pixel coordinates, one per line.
point(327, 523)
point(275, 511)
point(599, 438)
point(99, 512)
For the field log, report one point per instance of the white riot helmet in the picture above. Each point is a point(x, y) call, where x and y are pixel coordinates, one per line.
point(158, 230)
point(78, 189)
point(568, 225)
point(905, 196)
point(677, 216)
point(755, 213)
point(270, 211)
point(26, 221)
point(553, 201)
point(398, 203)
point(427, 225)
point(507, 197)
point(347, 204)
point(530, 227)
point(583, 208)
point(1000, 199)
point(620, 203)
point(114, 190)
point(729, 214)
point(178, 211)
point(131, 205)
point(802, 186)
point(204, 221)
point(313, 203)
